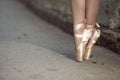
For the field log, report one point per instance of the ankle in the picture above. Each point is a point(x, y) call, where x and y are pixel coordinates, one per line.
point(83, 22)
point(79, 25)
point(90, 26)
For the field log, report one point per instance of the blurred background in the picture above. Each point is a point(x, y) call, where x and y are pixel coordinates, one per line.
point(59, 13)
point(37, 42)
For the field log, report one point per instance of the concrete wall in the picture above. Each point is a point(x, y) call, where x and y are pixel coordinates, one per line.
point(59, 13)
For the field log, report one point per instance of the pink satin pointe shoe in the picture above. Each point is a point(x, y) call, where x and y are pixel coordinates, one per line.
point(81, 36)
point(79, 44)
point(93, 39)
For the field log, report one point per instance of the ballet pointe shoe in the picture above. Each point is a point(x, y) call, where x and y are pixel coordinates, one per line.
point(81, 36)
point(78, 34)
point(93, 39)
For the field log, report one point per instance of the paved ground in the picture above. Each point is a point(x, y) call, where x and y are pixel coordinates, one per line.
point(32, 49)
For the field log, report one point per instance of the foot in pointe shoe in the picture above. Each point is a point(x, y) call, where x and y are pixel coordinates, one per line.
point(79, 46)
point(93, 39)
point(81, 36)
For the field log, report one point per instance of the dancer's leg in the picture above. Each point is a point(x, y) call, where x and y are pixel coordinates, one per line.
point(92, 7)
point(78, 11)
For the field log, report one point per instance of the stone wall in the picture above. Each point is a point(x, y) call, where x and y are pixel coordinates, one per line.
point(59, 13)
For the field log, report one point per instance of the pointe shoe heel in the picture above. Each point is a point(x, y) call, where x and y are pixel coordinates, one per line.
point(91, 42)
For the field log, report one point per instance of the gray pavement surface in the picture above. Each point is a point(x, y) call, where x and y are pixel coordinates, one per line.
point(32, 49)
